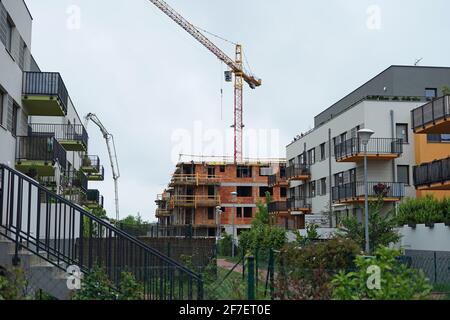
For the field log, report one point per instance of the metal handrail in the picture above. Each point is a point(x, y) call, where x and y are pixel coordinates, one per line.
point(296, 202)
point(429, 113)
point(433, 172)
point(40, 149)
point(376, 189)
point(46, 83)
point(377, 146)
point(65, 234)
point(278, 206)
point(297, 170)
point(62, 132)
point(91, 161)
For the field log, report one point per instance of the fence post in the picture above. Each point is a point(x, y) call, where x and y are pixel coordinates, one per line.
point(251, 278)
point(200, 292)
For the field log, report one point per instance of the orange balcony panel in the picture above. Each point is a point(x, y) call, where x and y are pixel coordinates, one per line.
point(360, 157)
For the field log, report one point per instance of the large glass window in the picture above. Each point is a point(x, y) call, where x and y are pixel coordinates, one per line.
point(430, 93)
point(402, 132)
point(2, 102)
point(322, 152)
point(323, 186)
point(244, 172)
point(312, 156)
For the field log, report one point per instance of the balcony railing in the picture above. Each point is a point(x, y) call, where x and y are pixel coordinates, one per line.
point(276, 180)
point(40, 149)
point(377, 147)
point(298, 171)
point(96, 176)
point(194, 179)
point(161, 213)
point(278, 206)
point(195, 201)
point(75, 180)
point(90, 164)
point(434, 173)
point(430, 114)
point(299, 204)
point(73, 137)
point(46, 84)
point(355, 191)
point(93, 197)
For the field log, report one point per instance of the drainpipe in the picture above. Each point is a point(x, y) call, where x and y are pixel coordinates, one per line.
point(394, 169)
point(330, 173)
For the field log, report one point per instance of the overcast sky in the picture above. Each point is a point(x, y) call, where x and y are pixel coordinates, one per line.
point(155, 88)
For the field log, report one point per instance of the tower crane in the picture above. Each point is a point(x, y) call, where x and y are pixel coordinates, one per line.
point(109, 139)
point(236, 66)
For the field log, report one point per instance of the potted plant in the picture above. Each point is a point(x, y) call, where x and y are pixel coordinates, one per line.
point(429, 225)
point(412, 224)
point(447, 223)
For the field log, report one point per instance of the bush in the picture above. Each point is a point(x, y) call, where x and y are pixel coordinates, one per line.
point(13, 284)
point(397, 281)
point(423, 210)
point(224, 246)
point(305, 272)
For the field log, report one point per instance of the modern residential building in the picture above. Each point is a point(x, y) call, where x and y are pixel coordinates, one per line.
point(200, 195)
point(41, 133)
point(325, 165)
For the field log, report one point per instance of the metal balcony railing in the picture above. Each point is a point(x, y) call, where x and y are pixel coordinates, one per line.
point(46, 84)
point(297, 170)
point(275, 180)
point(94, 196)
point(376, 146)
point(46, 149)
point(431, 173)
point(355, 190)
point(62, 132)
point(91, 163)
point(278, 206)
point(299, 203)
point(430, 113)
point(75, 179)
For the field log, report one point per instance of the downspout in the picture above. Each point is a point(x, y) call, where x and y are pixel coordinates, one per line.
point(394, 171)
point(330, 173)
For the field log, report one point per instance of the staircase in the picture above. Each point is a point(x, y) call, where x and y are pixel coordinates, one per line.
point(45, 234)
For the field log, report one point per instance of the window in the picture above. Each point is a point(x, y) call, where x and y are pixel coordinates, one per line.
point(211, 213)
point(211, 172)
point(438, 138)
point(282, 172)
point(323, 186)
point(263, 190)
point(248, 212)
point(14, 119)
point(322, 152)
point(222, 169)
point(244, 191)
point(244, 172)
point(403, 174)
point(430, 93)
point(312, 189)
point(402, 132)
point(9, 34)
point(283, 192)
point(352, 175)
point(312, 156)
point(265, 171)
point(339, 179)
point(2, 102)
point(344, 137)
point(211, 191)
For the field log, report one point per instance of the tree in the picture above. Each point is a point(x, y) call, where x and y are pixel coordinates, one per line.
point(381, 277)
point(381, 228)
point(446, 90)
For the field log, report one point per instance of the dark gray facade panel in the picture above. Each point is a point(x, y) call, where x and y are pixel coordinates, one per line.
point(394, 81)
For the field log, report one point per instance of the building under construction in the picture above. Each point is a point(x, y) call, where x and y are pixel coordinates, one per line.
point(211, 197)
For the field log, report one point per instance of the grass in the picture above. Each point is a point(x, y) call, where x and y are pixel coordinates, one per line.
point(443, 289)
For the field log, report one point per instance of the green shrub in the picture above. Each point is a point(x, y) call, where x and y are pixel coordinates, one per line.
point(397, 281)
point(423, 210)
point(224, 246)
point(305, 272)
point(13, 284)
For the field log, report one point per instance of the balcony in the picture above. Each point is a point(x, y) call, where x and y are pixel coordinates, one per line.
point(194, 180)
point(90, 164)
point(188, 201)
point(71, 137)
point(96, 176)
point(433, 176)
point(353, 193)
point(163, 213)
point(276, 181)
point(37, 156)
point(352, 150)
point(278, 207)
point(94, 200)
point(299, 204)
point(44, 94)
point(74, 180)
point(298, 172)
point(433, 117)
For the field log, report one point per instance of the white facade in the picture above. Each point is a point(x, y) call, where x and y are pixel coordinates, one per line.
point(380, 116)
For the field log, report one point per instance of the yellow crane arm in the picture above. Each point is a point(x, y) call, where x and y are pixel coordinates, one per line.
point(200, 37)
